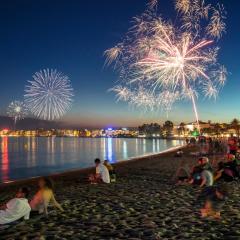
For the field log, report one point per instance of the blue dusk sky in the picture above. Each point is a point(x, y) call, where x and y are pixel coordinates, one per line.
point(71, 36)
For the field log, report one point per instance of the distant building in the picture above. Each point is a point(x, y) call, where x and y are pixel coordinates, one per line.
point(193, 125)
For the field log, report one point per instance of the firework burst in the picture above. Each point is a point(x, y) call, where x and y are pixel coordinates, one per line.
point(166, 63)
point(17, 110)
point(49, 94)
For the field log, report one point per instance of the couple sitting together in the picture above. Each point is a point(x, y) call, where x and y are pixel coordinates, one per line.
point(104, 173)
point(19, 207)
point(201, 174)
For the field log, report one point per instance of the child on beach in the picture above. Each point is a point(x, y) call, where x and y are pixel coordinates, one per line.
point(111, 170)
point(101, 175)
point(44, 197)
point(16, 208)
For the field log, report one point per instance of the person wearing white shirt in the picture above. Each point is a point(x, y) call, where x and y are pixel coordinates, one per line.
point(16, 208)
point(102, 173)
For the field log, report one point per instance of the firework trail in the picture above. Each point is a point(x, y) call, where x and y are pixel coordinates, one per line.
point(168, 62)
point(17, 110)
point(49, 94)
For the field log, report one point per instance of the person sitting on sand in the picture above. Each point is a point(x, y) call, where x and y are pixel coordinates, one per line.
point(182, 174)
point(223, 173)
point(111, 170)
point(102, 173)
point(202, 174)
point(228, 171)
point(44, 196)
point(214, 199)
point(16, 208)
point(179, 153)
point(206, 178)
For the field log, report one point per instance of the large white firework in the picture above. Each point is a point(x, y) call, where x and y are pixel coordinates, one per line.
point(173, 60)
point(49, 94)
point(17, 110)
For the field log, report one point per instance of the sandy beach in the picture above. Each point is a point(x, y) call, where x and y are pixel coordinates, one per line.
point(143, 204)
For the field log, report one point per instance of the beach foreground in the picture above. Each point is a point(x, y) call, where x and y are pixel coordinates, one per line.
point(143, 204)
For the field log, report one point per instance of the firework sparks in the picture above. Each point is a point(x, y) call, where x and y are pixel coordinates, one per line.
point(143, 99)
point(182, 6)
point(122, 93)
point(112, 54)
point(210, 90)
point(222, 74)
point(217, 25)
point(166, 100)
point(171, 62)
point(152, 4)
point(49, 94)
point(17, 110)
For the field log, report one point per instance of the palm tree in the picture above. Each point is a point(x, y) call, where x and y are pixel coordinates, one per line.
point(207, 131)
point(182, 128)
point(217, 129)
point(235, 125)
point(168, 127)
point(225, 127)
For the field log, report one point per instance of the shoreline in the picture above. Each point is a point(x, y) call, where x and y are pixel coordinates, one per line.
point(88, 170)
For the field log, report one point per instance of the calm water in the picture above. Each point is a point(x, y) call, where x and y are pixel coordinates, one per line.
point(26, 157)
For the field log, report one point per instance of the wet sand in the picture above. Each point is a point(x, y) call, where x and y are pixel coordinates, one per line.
point(144, 203)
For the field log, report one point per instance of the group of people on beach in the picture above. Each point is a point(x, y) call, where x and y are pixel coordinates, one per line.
point(212, 177)
point(205, 174)
point(22, 207)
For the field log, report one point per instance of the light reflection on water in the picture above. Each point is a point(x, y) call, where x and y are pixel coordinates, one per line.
point(31, 156)
point(5, 159)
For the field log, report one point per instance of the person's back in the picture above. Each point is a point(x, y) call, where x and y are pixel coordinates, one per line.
point(111, 171)
point(207, 178)
point(103, 172)
point(16, 209)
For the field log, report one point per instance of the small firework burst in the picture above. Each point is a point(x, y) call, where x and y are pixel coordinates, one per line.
point(17, 110)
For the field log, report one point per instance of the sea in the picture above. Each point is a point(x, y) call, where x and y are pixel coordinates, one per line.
point(29, 157)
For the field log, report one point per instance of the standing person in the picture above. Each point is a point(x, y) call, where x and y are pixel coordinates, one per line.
point(16, 208)
point(101, 175)
point(44, 196)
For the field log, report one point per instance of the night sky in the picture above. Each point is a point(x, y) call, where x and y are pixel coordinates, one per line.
point(71, 36)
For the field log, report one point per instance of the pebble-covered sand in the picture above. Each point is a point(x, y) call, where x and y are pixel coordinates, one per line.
point(143, 204)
